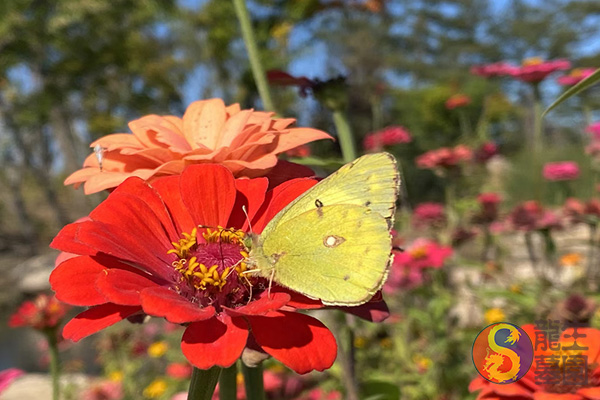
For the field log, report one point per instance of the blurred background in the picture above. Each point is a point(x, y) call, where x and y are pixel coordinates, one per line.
point(72, 71)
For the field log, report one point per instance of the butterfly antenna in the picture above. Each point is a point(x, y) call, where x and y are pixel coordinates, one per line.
point(247, 218)
point(271, 282)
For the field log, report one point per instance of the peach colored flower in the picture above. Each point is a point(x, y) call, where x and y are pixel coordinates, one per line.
point(247, 142)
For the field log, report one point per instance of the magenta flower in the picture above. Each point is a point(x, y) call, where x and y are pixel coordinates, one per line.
point(561, 171)
point(493, 70)
point(7, 377)
point(530, 216)
point(576, 76)
point(458, 100)
point(485, 152)
point(535, 69)
point(488, 212)
point(444, 157)
point(423, 253)
point(429, 215)
point(594, 130)
point(388, 136)
point(579, 211)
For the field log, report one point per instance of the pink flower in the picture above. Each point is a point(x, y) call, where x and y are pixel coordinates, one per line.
point(593, 149)
point(429, 215)
point(105, 390)
point(561, 171)
point(576, 76)
point(457, 101)
point(423, 253)
point(594, 130)
point(488, 203)
point(408, 266)
point(535, 69)
point(300, 151)
point(179, 370)
point(578, 211)
point(389, 136)
point(530, 216)
point(7, 377)
point(485, 152)
point(444, 157)
point(492, 70)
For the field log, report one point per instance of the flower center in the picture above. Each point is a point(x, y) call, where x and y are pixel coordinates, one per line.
point(211, 272)
point(419, 253)
point(533, 61)
point(576, 73)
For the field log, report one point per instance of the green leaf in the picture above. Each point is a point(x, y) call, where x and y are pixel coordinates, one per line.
point(580, 87)
point(328, 163)
point(380, 390)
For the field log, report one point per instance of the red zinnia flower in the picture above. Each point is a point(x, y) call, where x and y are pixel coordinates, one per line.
point(532, 385)
point(578, 211)
point(43, 312)
point(457, 101)
point(179, 370)
point(142, 252)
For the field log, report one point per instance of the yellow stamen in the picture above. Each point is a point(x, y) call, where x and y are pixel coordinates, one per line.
point(182, 248)
point(533, 61)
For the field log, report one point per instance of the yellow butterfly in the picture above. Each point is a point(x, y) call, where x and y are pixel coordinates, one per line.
point(333, 243)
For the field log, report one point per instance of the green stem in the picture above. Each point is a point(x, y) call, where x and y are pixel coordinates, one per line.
point(52, 337)
point(591, 248)
point(258, 71)
point(203, 383)
point(537, 145)
point(345, 136)
point(463, 122)
point(228, 383)
point(253, 381)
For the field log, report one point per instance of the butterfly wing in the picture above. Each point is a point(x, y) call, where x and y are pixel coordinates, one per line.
point(338, 254)
point(371, 181)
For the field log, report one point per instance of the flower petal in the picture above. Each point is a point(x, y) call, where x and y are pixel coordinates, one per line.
point(250, 194)
point(262, 305)
point(203, 121)
point(96, 319)
point(279, 197)
point(208, 192)
point(217, 341)
point(71, 281)
point(168, 189)
point(123, 287)
point(592, 393)
point(138, 203)
point(162, 302)
point(374, 310)
point(299, 341)
point(285, 171)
